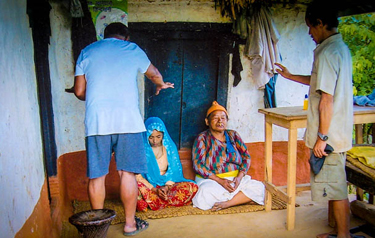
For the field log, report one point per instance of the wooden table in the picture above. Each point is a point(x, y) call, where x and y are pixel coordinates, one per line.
point(293, 118)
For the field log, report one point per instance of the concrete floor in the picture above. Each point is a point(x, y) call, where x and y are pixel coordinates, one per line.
point(311, 219)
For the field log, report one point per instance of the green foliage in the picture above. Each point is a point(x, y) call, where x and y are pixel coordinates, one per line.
point(359, 34)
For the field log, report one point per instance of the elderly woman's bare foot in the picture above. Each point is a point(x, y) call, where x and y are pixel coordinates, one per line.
point(219, 206)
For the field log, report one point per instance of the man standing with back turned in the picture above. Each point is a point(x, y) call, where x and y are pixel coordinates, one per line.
point(330, 112)
point(106, 77)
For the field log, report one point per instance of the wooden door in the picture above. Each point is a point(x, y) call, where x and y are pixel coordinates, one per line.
point(194, 62)
point(199, 90)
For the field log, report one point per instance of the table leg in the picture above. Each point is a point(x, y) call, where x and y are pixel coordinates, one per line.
point(359, 140)
point(291, 179)
point(268, 163)
point(359, 193)
point(359, 134)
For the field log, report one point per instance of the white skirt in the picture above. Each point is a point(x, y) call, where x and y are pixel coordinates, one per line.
point(210, 192)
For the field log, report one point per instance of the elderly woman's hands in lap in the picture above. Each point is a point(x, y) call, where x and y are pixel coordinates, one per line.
point(162, 192)
point(227, 184)
point(237, 180)
point(230, 186)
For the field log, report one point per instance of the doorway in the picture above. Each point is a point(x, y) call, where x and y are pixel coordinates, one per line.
point(193, 56)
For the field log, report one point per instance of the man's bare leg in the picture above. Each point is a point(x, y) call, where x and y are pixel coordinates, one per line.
point(238, 199)
point(342, 219)
point(96, 190)
point(331, 216)
point(341, 213)
point(128, 193)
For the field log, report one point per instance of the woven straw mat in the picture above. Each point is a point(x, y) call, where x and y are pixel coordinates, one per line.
point(116, 205)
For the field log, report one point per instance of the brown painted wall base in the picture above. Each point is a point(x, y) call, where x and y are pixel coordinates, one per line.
point(279, 162)
point(39, 224)
point(71, 184)
point(72, 166)
point(257, 168)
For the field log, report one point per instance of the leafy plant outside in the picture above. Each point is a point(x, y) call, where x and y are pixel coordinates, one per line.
point(358, 32)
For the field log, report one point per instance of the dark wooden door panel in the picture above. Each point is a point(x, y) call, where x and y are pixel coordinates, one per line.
point(167, 57)
point(199, 87)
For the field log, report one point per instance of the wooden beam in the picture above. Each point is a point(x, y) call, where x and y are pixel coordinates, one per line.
point(363, 210)
point(275, 191)
point(354, 7)
point(299, 187)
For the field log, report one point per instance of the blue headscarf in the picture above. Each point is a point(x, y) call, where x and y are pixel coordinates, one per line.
point(174, 171)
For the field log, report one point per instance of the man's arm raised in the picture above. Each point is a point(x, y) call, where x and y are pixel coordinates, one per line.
point(154, 75)
point(283, 71)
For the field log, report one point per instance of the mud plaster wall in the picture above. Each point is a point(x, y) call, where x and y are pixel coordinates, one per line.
point(68, 110)
point(296, 48)
point(21, 160)
point(243, 101)
point(39, 224)
point(75, 179)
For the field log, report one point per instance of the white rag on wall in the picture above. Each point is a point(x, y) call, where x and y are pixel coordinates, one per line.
point(261, 47)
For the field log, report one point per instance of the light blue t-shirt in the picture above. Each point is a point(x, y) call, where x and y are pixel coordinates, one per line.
point(110, 67)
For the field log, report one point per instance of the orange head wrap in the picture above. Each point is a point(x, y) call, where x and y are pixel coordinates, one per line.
point(216, 107)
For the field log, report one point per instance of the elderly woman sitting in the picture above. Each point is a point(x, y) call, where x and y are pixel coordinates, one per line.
point(164, 184)
point(221, 161)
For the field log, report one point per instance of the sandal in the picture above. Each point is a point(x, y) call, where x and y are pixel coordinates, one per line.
point(352, 235)
point(140, 224)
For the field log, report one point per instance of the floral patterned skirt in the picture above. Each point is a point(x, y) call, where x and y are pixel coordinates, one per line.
point(179, 195)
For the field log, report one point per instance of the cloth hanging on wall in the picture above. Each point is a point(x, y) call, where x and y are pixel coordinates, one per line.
point(83, 31)
point(270, 93)
point(75, 8)
point(261, 46)
point(241, 26)
point(236, 64)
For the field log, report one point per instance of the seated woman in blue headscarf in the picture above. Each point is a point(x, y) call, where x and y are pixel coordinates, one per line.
point(164, 185)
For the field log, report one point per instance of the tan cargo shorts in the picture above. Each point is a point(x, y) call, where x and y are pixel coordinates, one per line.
point(330, 183)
